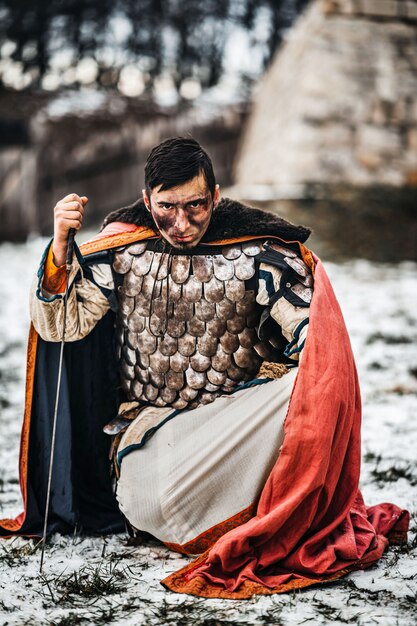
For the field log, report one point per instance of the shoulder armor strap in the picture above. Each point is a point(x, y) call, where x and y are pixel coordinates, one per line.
point(296, 279)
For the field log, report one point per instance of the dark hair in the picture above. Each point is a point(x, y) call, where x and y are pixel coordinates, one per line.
point(176, 161)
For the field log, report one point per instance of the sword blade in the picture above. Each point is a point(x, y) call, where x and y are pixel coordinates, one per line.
point(70, 250)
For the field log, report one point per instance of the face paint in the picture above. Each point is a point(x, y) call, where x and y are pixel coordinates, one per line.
point(182, 214)
point(164, 222)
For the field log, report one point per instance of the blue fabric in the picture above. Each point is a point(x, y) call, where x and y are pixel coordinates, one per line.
point(269, 281)
point(82, 494)
point(288, 350)
point(146, 436)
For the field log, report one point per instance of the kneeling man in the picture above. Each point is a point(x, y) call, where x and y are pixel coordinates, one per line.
point(191, 316)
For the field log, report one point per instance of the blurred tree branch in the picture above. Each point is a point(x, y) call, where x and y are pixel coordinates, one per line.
point(185, 40)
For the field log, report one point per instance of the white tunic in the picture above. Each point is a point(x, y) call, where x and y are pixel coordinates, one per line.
point(205, 465)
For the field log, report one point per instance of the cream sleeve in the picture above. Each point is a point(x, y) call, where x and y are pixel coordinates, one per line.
point(87, 304)
point(292, 319)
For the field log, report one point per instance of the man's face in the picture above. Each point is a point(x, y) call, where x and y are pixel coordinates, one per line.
point(182, 214)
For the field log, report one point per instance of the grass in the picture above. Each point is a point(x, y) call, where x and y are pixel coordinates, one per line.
point(72, 619)
point(382, 597)
point(388, 339)
point(15, 555)
point(88, 583)
point(390, 473)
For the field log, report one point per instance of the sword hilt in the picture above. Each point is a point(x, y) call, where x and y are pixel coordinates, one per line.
point(70, 248)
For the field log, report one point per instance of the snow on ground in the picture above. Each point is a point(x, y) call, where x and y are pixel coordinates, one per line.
point(102, 580)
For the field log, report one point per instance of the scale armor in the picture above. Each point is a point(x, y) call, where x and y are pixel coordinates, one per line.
point(186, 325)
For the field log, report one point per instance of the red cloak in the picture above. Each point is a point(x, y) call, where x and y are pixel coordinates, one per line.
point(311, 524)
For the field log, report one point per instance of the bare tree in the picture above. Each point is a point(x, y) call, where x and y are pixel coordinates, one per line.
point(183, 38)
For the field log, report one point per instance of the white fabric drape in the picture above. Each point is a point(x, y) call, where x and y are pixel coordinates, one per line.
point(205, 465)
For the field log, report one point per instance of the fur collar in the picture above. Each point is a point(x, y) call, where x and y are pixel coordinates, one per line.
point(230, 219)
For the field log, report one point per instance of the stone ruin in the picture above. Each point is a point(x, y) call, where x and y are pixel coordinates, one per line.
point(334, 119)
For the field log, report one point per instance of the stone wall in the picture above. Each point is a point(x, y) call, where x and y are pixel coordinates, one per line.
point(101, 155)
point(339, 102)
point(383, 9)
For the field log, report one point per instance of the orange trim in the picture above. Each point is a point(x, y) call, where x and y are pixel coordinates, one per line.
point(54, 276)
point(123, 239)
point(116, 240)
point(198, 586)
point(15, 524)
point(307, 257)
point(182, 582)
point(242, 239)
point(208, 538)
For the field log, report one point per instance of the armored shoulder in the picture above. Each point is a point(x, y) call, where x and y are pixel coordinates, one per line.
point(285, 275)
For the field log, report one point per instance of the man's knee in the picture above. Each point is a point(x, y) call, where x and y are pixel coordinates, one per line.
point(125, 494)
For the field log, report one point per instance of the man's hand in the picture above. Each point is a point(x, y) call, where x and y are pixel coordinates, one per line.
point(68, 213)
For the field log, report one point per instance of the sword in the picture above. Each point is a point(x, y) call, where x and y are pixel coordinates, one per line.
point(70, 251)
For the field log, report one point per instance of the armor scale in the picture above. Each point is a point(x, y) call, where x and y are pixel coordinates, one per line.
point(186, 324)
